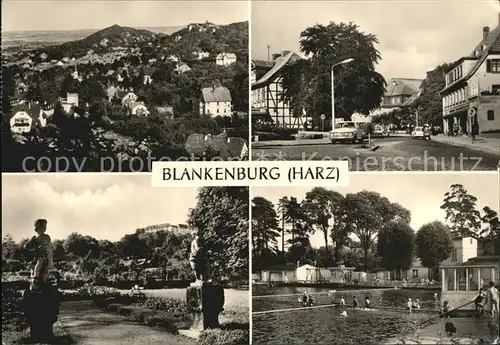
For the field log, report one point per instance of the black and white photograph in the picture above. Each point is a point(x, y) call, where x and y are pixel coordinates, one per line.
point(110, 86)
point(385, 85)
point(390, 259)
point(106, 259)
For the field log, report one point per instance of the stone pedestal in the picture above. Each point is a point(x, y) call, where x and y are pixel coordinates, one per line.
point(41, 308)
point(206, 302)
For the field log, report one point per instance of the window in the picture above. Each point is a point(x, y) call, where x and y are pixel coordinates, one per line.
point(415, 273)
point(454, 255)
point(491, 115)
point(471, 241)
point(493, 66)
point(495, 89)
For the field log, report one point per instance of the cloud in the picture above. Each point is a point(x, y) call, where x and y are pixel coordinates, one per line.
point(413, 35)
point(100, 205)
point(72, 15)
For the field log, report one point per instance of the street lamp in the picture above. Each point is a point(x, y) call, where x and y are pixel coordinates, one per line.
point(333, 89)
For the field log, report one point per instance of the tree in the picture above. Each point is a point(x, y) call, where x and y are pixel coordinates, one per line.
point(368, 212)
point(396, 246)
point(264, 225)
point(220, 218)
point(323, 208)
point(358, 87)
point(293, 214)
point(434, 244)
point(9, 247)
point(461, 212)
point(429, 102)
point(491, 232)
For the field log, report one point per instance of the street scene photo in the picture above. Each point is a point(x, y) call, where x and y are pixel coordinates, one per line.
point(113, 86)
point(369, 83)
point(390, 259)
point(109, 260)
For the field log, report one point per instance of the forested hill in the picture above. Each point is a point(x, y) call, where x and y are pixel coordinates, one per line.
point(231, 38)
point(113, 36)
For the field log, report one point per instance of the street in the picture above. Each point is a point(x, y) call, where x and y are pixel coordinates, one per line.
point(393, 154)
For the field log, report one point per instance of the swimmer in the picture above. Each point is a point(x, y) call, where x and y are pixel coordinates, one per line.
point(367, 303)
point(342, 301)
point(409, 306)
point(354, 302)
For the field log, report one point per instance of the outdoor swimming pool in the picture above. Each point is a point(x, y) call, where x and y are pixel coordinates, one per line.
point(325, 325)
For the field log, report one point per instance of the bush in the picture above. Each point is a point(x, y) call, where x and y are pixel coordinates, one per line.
point(172, 305)
point(161, 320)
point(139, 314)
point(113, 307)
point(224, 337)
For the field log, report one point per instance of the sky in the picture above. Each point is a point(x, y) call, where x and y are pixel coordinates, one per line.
point(414, 36)
point(21, 15)
point(99, 205)
point(421, 193)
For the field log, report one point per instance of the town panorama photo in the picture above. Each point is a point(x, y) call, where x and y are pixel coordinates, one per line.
point(113, 86)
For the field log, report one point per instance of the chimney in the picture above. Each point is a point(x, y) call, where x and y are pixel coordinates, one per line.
point(486, 31)
point(275, 56)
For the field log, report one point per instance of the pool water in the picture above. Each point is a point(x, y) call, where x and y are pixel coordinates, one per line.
point(325, 325)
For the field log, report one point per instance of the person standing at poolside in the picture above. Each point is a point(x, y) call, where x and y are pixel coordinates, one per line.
point(493, 297)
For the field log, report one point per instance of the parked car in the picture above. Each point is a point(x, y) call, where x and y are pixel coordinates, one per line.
point(347, 131)
point(379, 131)
point(418, 133)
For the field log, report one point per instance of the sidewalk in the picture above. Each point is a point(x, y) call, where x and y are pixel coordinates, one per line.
point(469, 331)
point(296, 142)
point(88, 325)
point(489, 145)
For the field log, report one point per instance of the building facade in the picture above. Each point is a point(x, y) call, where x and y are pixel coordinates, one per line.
point(472, 91)
point(216, 101)
point(225, 59)
point(267, 89)
point(174, 228)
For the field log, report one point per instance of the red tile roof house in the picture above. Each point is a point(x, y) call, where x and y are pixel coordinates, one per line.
point(472, 91)
point(216, 101)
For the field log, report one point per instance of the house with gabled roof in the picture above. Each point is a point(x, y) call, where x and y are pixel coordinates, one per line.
point(216, 101)
point(24, 117)
point(267, 88)
point(148, 75)
point(472, 91)
point(225, 59)
point(398, 91)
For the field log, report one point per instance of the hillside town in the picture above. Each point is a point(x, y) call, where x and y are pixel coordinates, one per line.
point(457, 103)
point(124, 91)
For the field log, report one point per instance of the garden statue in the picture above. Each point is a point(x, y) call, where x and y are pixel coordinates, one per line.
point(41, 303)
point(41, 245)
point(195, 261)
point(205, 298)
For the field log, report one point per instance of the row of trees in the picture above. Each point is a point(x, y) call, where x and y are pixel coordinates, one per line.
point(220, 218)
point(366, 230)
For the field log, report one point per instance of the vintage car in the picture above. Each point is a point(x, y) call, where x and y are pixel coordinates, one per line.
point(379, 131)
point(347, 131)
point(418, 133)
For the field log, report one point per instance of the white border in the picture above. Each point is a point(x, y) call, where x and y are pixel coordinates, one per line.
point(250, 287)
